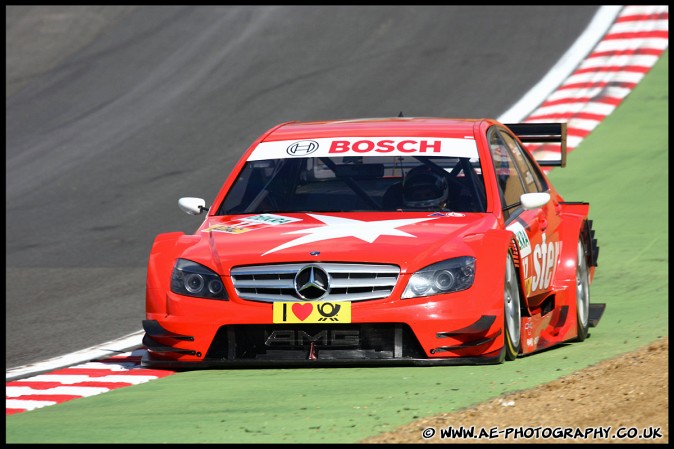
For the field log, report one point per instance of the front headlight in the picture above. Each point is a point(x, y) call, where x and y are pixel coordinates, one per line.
point(192, 279)
point(451, 275)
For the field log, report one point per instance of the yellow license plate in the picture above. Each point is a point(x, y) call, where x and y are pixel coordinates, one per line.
point(312, 312)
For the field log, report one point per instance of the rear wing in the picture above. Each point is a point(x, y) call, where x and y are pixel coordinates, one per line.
point(544, 133)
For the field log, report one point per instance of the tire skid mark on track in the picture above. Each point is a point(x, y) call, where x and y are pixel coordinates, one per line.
point(632, 45)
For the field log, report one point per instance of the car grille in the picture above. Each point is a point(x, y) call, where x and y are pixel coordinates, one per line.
point(348, 282)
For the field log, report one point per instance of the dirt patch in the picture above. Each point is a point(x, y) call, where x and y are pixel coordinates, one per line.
point(627, 394)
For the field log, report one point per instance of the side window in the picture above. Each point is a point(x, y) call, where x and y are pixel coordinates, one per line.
point(506, 171)
point(533, 182)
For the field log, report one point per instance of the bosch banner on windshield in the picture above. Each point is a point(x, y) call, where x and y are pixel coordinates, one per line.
point(366, 146)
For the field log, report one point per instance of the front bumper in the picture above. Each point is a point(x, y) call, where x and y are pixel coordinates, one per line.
point(354, 344)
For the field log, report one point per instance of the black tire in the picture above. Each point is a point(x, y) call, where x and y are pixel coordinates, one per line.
point(512, 315)
point(582, 293)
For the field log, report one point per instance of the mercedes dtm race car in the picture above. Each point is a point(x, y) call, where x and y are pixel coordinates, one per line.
point(391, 241)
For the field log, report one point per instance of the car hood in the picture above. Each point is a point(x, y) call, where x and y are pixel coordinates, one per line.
point(407, 239)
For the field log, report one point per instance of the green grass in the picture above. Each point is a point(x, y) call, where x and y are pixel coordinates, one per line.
point(621, 169)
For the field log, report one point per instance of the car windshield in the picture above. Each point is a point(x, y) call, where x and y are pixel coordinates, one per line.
point(357, 183)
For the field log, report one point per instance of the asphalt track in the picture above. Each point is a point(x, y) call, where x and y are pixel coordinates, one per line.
point(114, 112)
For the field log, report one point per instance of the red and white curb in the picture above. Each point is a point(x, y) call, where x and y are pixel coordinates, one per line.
point(86, 379)
point(595, 86)
point(630, 48)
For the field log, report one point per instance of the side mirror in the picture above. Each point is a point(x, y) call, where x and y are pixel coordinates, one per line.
point(534, 200)
point(192, 206)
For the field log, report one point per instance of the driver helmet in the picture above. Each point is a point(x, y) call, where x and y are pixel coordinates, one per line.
point(424, 188)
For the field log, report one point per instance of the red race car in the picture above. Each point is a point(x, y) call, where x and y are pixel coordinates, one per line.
point(420, 241)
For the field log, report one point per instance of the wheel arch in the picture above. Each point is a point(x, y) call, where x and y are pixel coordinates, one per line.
point(514, 250)
point(575, 225)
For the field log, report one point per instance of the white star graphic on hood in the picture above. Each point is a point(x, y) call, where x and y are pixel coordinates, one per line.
point(338, 227)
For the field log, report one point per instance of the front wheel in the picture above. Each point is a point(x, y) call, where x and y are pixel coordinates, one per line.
point(512, 314)
point(582, 293)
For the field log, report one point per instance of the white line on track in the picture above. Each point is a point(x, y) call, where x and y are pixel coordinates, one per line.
point(597, 28)
point(112, 348)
